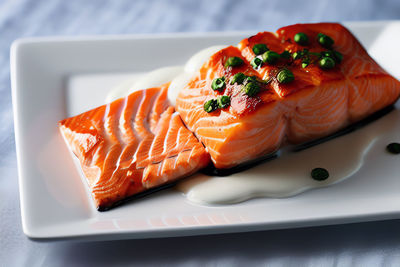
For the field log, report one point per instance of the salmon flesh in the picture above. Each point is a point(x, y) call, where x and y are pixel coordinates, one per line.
point(141, 142)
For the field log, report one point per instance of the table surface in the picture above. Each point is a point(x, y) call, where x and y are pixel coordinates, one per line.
point(362, 244)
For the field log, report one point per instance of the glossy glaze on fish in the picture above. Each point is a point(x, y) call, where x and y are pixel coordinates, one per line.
point(132, 145)
point(140, 142)
point(317, 103)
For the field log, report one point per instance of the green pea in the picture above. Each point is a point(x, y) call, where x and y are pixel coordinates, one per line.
point(259, 49)
point(238, 78)
point(325, 40)
point(251, 79)
point(393, 148)
point(285, 76)
point(218, 84)
point(251, 88)
point(256, 63)
point(301, 38)
point(233, 62)
point(224, 101)
point(210, 105)
point(327, 63)
point(319, 174)
point(270, 57)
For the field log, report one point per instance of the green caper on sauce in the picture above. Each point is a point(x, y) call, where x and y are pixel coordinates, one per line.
point(319, 174)
point(393, 148)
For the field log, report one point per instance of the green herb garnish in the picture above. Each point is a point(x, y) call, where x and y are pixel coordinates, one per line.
point(238, 78)
point(218, 84)
point(301, 38)
point(256, 63)
point(327, 63)
point(251, 88)
point(251, 79)
point(224, 101)
point(233, 62)
point(393, 148)
point(210, 105)
point(270, 57)
point(325, 40)
point(259, 49)
point(285, 76)
point(305, 62)
point(319, 174)
point(296, 55)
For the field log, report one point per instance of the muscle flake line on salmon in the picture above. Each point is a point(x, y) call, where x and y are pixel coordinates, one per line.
point(131, 145)
point(295, 92)
point(319, 100)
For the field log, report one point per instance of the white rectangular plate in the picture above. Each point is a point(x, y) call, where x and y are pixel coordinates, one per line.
point(58, 77)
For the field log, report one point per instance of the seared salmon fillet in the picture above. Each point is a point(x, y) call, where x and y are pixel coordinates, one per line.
point(302, 89)
point(132, 145)
point(303, 82)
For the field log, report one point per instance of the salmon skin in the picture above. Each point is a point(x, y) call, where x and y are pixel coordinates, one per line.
point(139, 143)
point(317, 103)
point(132, 145)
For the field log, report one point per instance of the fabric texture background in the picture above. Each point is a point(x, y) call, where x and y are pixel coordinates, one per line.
point(363, 244)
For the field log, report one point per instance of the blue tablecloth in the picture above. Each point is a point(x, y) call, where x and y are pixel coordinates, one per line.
point(364, 244)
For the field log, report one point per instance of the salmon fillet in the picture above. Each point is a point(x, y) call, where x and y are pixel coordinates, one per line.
point(132, 145)
point(140, 142)
point(316, 103)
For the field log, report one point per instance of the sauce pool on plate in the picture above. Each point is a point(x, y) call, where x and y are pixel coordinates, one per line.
point(288, 175)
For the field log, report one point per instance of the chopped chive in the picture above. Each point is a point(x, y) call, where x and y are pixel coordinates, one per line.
point(327, 54)
point(296, 55)
point(259, 49)
point(305, 63)
point(319, 174)
point(233, 62)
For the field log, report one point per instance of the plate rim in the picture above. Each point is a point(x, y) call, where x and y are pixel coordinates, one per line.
point(15, 51)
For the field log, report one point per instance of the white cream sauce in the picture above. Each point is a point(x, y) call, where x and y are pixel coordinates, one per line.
point(285, 176)
point(289, 174)
point(178, 75)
